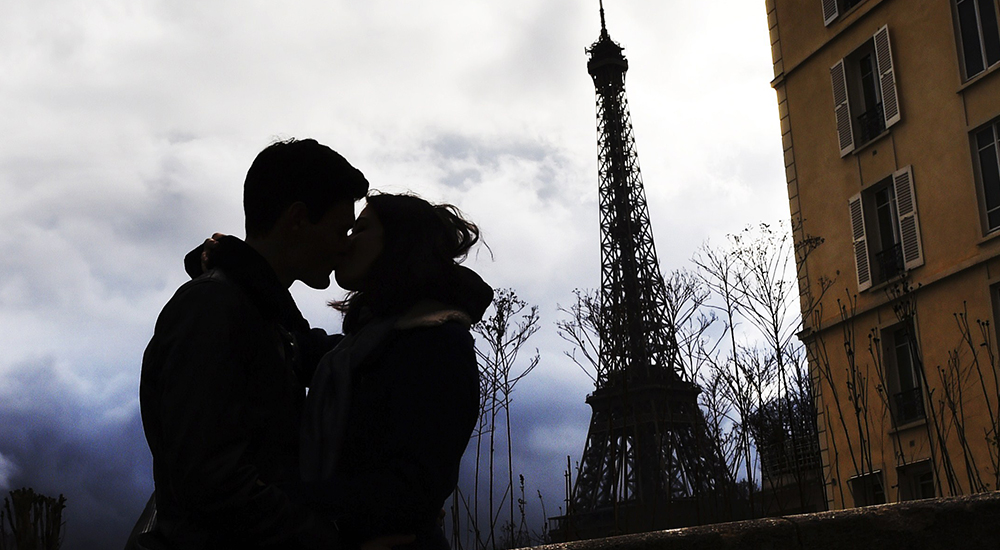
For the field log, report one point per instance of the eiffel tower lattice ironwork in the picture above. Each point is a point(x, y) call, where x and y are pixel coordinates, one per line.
point(649, 462)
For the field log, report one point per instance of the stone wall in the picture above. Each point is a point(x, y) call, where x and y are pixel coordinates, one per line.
point(970, 522)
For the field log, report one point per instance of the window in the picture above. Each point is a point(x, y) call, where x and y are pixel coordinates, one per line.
point(864, 93)
point(885, 229)
point(833, 8)
point(916, 481)
point(902, 368)
point(986, 148)
point(977, 25)
point(867, 489)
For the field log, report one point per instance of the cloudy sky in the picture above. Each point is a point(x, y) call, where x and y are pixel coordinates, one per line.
point(127, 128)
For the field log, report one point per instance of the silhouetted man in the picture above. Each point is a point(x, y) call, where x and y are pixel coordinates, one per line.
point(221, 386)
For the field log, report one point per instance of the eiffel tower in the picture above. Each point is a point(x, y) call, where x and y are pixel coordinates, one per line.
point(649, 462)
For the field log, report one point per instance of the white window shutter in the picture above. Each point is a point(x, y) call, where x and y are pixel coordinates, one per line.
point(842, 108)
point(830, 11)
point(860, 242)
point(886, 77)
point(909, 225)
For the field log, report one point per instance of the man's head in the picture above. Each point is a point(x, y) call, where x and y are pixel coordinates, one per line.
point(298, 199)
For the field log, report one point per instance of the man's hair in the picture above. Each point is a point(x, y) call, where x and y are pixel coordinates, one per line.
point(293, 171)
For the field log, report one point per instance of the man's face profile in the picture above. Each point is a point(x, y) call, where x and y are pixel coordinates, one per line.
point(325, 244)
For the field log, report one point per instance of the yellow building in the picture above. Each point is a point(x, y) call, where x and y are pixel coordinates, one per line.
point(890, 121)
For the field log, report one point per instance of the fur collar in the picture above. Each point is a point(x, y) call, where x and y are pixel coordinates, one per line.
point(431, 313)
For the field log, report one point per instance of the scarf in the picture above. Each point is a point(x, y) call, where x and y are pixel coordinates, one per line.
point(324, 419)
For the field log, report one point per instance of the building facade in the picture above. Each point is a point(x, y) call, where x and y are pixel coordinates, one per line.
point(890, 122)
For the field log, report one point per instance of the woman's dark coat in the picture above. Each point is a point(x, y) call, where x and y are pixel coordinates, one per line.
point(413, 403)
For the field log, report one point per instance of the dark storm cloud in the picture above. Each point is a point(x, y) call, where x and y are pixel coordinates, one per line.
point(58, 441)
point(546, 427)
point(92, 248)
point(104, 475)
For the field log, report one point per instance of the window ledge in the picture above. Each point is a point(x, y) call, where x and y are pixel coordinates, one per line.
point(888, 282)
point(909, 426)
point(991, 236)
point(976, 79)
point(861, 148)
point(879, 286)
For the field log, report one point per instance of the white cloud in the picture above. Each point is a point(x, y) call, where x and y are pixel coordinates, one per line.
point(7, 470)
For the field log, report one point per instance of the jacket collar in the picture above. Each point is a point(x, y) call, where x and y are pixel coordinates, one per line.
point(245, 267)
point(466, 292)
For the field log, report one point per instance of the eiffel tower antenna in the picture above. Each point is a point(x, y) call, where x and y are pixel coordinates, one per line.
point(604, 28)
point(649, 461)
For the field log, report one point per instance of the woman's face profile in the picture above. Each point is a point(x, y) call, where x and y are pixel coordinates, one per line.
point(366, 243)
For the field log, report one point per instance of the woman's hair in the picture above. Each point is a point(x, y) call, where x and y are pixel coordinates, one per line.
point(422, 244)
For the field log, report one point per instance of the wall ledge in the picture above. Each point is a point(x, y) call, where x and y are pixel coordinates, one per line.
point(968, 522)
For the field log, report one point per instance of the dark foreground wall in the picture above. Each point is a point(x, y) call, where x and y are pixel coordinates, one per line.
point(970, 522)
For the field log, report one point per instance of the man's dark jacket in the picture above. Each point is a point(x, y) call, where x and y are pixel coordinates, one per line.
point(220, 400)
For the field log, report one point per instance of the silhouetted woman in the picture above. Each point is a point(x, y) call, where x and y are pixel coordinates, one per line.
point(391, 409)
